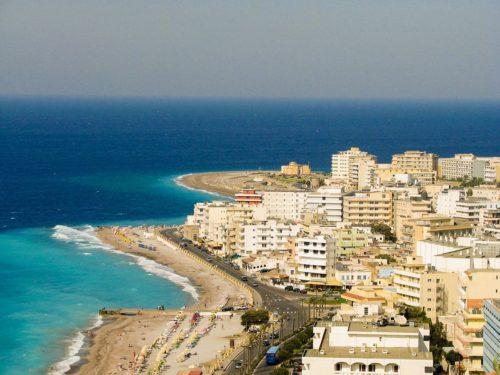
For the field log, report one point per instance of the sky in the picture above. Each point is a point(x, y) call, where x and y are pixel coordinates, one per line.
point(380, 49)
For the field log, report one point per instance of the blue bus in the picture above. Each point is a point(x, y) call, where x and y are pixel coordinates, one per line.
point(272, 355)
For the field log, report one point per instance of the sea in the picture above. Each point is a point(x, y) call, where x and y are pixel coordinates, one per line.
point(68, 165)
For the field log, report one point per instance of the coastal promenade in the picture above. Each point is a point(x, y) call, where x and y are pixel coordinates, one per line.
point(278, 301)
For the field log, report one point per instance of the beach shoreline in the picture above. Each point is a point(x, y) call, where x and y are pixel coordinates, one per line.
point(119, 338)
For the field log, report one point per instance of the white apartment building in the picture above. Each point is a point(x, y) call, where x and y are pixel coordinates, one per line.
point(450, 257)
point(357, 348)
point(315, 258)
point(415, 160)
point(354, 167)
point(285, 205)
point(447, 199)
point(470, 209)
point(460, 166)
point(262, 237)
point(211, 217)
point(327, 201)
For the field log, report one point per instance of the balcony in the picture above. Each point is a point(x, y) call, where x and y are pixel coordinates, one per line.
point(406, 292)
point(412, 284)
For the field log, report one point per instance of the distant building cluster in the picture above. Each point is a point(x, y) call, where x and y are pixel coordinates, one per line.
point(421, 233)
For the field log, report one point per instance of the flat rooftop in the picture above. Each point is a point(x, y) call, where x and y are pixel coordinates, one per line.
point(346, 352)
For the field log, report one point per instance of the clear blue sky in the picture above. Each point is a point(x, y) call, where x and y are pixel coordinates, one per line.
point(236, 48)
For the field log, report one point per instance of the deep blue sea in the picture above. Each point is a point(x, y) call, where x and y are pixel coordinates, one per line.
point(69, 164)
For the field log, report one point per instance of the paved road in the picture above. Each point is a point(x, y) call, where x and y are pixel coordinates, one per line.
point(269, 297)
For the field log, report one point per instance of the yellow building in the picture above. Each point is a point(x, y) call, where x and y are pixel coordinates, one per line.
point(295, 169)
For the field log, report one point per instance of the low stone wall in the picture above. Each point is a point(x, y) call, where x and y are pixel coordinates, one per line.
point(249, 293)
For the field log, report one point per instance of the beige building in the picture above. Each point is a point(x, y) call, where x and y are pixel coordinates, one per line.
point(488, 192)
point(354, 167)
point(368, 208)
point(295, 169)
point(433, 227)
point(386, 173)
point(433, 291)
point(475, 286)
point(415, 160)
point(405, 209)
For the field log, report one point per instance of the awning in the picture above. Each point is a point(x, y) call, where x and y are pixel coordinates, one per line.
point(323, 283)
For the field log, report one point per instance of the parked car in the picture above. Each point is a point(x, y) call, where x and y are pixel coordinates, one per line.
point(296, 290)
point(289, 288)
point(209, 259)
point(227, 308)
point(238, 364)
point(303, 291)
point(267, 342)
point(244, 278)
point(236, 267)
point(255, 285)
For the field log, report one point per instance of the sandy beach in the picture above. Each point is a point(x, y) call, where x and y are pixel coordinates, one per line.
point(115, 346)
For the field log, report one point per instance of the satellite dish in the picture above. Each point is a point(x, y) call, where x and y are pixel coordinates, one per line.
point(400, 319)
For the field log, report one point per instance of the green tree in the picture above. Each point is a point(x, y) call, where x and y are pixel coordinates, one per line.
point(254, 317)
point(384, 229)
point(453, 357)
point(279, 371)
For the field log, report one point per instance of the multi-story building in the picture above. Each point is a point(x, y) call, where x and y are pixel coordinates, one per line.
point(415, 160)
point(341, 348)
point(347, 240)
point(327, 200)
point(476, 285)
point(354, 167)
point(295, 169)
point(368, 208)
point(386, 173)
point(285, 205)
point(418, 286)
point(470, 208)
point(352, 274)
point(265, 237)
point(461, 166)
point(435, 227)
point(447, 199)
point(488, 192)
point(491, 334)
point(315, 258)
point(248, 196)
point(406, 209)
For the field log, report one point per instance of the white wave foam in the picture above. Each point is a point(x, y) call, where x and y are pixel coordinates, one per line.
point(85, 238)
point(178, 182)
point(72, 353)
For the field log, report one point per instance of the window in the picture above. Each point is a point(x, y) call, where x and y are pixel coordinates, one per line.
point(362, 367)
point(338, 367)
point(366, 310)
point(395, 368)
point(371, 367)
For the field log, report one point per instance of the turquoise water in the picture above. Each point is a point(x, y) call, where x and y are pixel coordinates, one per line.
point(55, 279)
